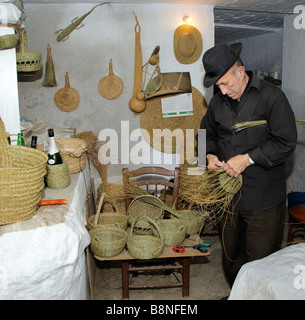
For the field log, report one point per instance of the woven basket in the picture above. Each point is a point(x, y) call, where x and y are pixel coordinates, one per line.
point(107, 218)
point(9, 41)
point(58, 176)
point(138, 208)
point(27, 61)
point(192, 219)
point(107, 242)
point(145, 246)
point(172, 230)
point(22, 172)
point(116, 191)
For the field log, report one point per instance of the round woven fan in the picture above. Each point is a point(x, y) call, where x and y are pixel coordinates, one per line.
point(111, 86)
point(67, 99)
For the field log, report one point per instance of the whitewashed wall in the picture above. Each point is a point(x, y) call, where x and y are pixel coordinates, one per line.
point(108, 34)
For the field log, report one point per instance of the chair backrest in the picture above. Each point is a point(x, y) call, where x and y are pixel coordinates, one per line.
point(157, 180)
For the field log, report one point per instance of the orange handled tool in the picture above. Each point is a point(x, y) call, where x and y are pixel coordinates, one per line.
point(51, 202)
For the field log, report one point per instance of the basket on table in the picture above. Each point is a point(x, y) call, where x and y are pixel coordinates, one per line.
point(192, 219)
point(22, 171)
point(107, 241)
point(145, 246)
point(116, 191)
point(74, 152)
point(172, 230)
point(148, 206)
point(107, 219)
point(58, 177)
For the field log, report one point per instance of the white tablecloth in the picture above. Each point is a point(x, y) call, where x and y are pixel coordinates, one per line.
point(280, 276)
point(44, 257)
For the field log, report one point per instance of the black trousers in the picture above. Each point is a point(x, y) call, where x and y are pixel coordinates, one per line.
point(248, 236)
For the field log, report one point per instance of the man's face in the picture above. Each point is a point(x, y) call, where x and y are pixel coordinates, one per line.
point(231, 83)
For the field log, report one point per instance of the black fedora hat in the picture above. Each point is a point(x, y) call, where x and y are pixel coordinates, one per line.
point(218, 60)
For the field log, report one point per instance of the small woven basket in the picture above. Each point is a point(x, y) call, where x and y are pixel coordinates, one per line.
point(138, 207)
point(145, 246)
point(58, 176)
point(116, 191)
point(9, 41)
point(27, 61)
point(172, 230)
point(107, 242)
point(22, 171)
point(109, 219)
point(192, 219)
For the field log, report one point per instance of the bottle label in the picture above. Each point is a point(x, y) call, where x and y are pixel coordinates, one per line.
point(51, 161)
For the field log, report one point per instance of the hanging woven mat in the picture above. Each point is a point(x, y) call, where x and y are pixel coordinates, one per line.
point(22, 171)
point(138, 208)
point(58, 176)
point(27, 61)
point(9, 41)
point(152, 119)
point(67, 99)
point(111, 86)
point(145, 246)
point(107, 241)
point(109, 219)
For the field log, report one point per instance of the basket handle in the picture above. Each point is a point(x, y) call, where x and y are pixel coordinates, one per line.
point(149, 221)
point(100, 204)
point(158, 202)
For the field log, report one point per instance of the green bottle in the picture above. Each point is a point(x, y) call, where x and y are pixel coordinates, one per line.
point(20, 140)
point(53, 153)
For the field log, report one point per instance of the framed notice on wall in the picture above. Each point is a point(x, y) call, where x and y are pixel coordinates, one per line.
point(177, 106)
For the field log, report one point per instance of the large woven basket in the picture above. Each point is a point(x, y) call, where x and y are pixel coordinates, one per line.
point(138, 207)
point(9, 41)
point(172, 230)
point(192, 219)
point(109, 219)
point(22, 171)
point(107, 242)
point(145, 246)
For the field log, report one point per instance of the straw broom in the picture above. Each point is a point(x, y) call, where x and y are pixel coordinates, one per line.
point(301, 122)
point(247, 124)
point(49, 78)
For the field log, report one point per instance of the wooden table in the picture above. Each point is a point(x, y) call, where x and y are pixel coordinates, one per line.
point(167, 253)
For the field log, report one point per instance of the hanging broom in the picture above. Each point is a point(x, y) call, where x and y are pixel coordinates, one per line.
point(49, 77)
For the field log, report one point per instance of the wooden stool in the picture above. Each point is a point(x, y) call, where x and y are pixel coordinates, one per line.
point(296, 215)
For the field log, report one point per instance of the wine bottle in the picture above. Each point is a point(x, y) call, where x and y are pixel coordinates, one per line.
point(54, 156)
point(34, 142)
point(8, 138)
point(20, 140)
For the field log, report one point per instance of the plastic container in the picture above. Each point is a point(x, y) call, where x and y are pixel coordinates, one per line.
point(295, 199)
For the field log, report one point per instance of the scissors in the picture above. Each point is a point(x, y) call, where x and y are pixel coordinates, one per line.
point(202, 247)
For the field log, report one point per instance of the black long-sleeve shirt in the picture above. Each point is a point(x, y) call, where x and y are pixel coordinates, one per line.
point(268, 145)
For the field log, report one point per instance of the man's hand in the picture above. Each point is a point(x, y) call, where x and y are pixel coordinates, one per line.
point(213, 162)
point(236, 165)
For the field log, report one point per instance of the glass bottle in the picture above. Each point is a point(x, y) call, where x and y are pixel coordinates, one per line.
point(34, 142)
point(53, 153)
point(8, 138)
point(20, 140)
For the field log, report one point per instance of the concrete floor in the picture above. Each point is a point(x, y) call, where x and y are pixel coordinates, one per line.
point(207, 281)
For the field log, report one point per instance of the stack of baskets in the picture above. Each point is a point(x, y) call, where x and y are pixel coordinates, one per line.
point(22, 171)
point(107, 230)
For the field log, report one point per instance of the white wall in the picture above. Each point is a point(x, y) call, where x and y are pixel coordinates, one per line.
point(108, 34)
point(293, 86)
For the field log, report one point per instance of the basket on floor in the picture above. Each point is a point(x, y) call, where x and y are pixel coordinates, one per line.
point(22, 171)
point(192, 219)
point(144, 205)
point(109, 219)
point(145, 246)
point(116, 191)
point(172, 230)
point(107, 241)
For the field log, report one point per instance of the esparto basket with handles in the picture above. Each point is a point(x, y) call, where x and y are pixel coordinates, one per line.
point(22, 171)
point(144, 205)
point(107, 241)
point(145, 246)
point(192, 219)
point(9, 41)
point(107, 219)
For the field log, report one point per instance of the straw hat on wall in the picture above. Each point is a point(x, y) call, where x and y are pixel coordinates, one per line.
point(187, 44)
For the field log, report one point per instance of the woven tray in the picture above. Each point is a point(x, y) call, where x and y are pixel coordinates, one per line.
point(22, 171)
